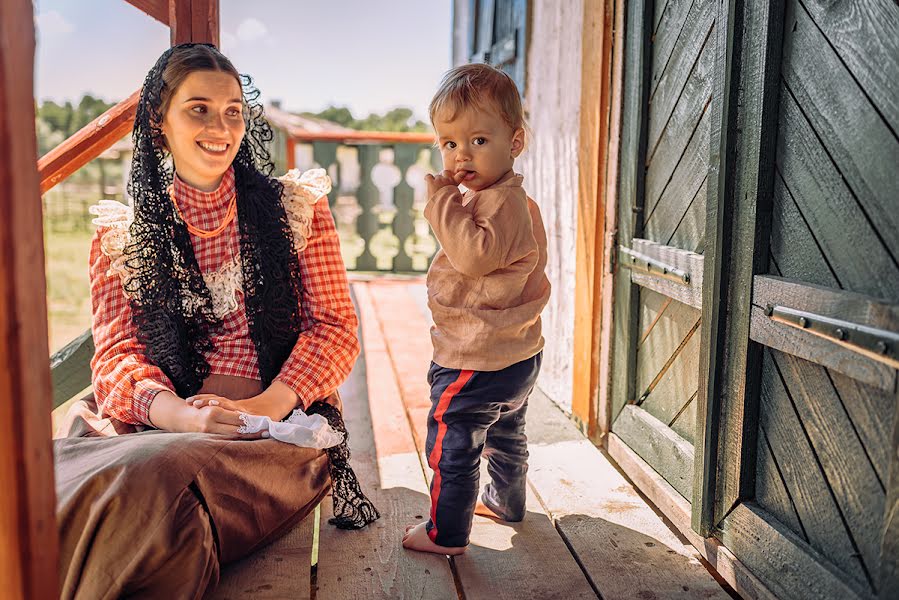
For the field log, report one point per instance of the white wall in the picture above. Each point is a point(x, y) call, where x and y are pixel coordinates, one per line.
point(550, 167)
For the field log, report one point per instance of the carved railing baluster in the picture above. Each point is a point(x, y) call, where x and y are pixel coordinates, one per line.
point(367, 195)
point(404, 156)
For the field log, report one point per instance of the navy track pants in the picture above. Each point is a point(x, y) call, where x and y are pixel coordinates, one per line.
point(474, 413)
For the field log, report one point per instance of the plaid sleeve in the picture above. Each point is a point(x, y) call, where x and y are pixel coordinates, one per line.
point(125, 381)
point(327, 349)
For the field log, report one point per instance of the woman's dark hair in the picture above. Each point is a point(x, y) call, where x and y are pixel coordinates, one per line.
point(171, 304)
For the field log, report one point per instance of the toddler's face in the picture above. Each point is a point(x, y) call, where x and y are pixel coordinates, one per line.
point(479, 144)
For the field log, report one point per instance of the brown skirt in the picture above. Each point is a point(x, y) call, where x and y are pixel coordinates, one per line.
point(153, 514)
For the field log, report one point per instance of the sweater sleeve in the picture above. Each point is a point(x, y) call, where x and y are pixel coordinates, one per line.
point(328, 346)
point(477, 240)
point(125, 381)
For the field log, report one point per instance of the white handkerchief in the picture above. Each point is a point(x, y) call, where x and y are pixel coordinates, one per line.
point(300, 429)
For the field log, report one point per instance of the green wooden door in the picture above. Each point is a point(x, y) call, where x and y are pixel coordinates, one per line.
point(757, 290)
point(824, 311)
point(662, 251)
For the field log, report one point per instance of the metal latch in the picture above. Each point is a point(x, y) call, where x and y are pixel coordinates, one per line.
point(631, 259)
point(880, 344)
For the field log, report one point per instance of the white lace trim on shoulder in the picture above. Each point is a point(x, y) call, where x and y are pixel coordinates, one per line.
point(301, 191)
point(116, 218)
point(224, 283)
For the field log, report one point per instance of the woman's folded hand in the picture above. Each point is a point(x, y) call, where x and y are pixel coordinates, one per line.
point(277, 402)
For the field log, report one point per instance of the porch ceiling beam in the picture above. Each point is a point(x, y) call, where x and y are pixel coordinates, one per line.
point(158, 9)
point(194, 21)
point(88, 143)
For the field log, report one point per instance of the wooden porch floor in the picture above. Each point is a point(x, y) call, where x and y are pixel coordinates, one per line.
point(587, 534)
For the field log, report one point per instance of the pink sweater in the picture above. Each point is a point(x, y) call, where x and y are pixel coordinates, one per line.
point(487, 284)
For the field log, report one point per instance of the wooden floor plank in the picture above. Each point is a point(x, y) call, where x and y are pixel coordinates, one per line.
point(371, 563)
point(520, 560)
point(276, 572)
point(524, 560)
point(626, 548)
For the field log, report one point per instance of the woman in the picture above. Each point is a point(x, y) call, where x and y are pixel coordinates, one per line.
point(222, 292)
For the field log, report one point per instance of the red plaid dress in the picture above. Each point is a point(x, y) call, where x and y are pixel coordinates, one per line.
point(125, 381)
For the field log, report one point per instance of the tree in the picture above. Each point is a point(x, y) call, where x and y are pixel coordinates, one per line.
point(397, 119)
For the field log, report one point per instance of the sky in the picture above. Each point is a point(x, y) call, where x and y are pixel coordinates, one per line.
point(368, 55)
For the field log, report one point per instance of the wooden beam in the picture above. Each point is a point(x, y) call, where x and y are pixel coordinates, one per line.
point(606, 283)
point(659, 445)
point(858, 363)
point(593, 134)
point(715, 294)
point(28, 535)
point(749, 234)
point(88, 143)
point(194, 21)
point(158, 9)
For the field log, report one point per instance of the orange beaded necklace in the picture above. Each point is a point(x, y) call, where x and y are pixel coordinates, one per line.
point(204, 233)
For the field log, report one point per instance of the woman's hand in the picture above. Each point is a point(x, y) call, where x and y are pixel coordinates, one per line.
point(170, 413)
point(275, 403)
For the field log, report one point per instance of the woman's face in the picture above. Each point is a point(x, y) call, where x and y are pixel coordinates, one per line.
point(203, 127)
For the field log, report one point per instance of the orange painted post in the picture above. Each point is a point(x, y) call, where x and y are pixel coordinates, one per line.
point(28, 535)
point(590, 239)
point(290, 152)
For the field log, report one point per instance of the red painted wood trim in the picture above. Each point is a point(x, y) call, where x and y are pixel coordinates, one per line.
point(28, 534)
point(88, 143)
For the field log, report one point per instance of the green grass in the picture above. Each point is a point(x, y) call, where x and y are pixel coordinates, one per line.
point(68, 287)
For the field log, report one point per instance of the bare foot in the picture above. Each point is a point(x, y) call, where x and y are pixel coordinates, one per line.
point(416, 538)
point(482, 509)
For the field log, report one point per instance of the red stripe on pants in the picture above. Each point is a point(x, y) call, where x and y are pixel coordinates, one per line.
point(434, 459)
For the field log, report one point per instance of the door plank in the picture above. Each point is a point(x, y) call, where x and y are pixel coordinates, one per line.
point(663, 217)
point(793, 248)
point(841, 229)
point(771, 491)
point(856, 137)
point(668, 335)
point(669, 23)
point(804, 479)
point(848, 471)
point(684, 423)
point(693, 104)
point(677, 386)
point(871, 410)
point(697, 27)
point(690, 232)
point(865, 34)
point(889, 566)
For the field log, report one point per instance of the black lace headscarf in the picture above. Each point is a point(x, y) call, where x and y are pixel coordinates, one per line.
point(170, 302)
